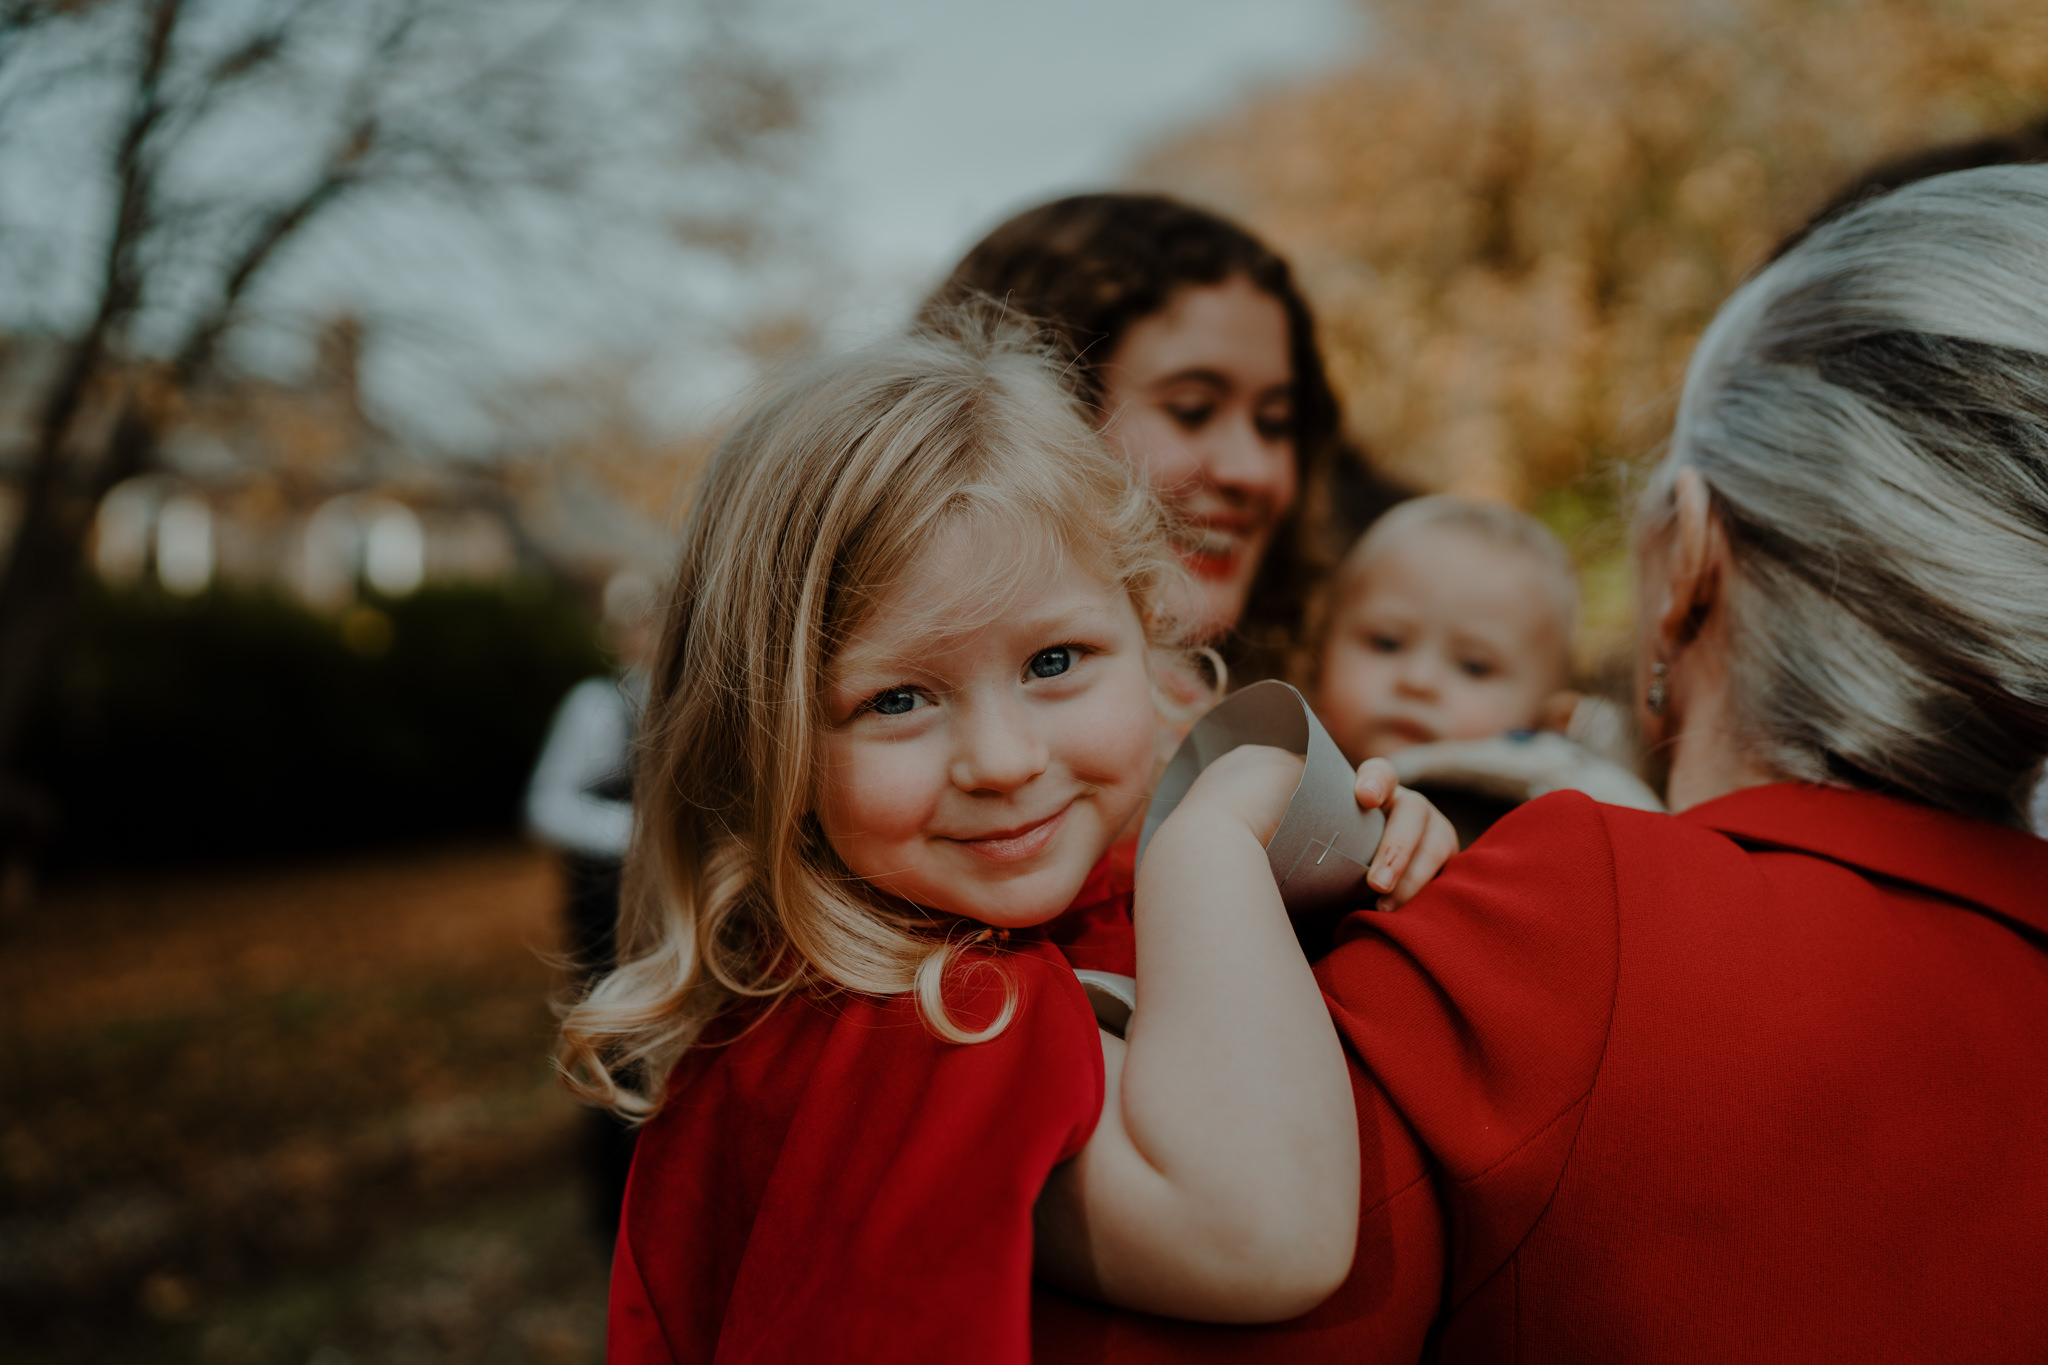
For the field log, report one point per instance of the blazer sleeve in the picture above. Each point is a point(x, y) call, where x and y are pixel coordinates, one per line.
point(1480, 1011)
point(885, 1213)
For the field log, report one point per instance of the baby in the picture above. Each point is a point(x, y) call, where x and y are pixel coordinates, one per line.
point(1448, 650)
point(1451, 619)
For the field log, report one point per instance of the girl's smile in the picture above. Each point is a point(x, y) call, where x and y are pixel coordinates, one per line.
point(1015, 845)
point(990, 732)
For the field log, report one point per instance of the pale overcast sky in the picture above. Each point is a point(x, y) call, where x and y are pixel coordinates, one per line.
point(939, 118)
point(957, 112)
point(948, 115)
point(944, 116)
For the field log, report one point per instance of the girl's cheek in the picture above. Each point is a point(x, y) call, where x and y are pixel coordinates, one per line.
point(877, 788)
point(903, 782)
point(1115, 740)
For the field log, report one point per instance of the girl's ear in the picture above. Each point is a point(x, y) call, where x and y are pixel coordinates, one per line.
point(1695, 562)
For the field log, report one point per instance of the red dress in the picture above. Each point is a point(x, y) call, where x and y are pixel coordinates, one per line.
point(830, 1181)
point(1767, 1080)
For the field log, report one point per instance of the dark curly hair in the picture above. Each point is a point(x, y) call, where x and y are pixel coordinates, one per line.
point(1086, 268)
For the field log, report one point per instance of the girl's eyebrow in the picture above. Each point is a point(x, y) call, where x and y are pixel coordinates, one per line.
point(864, 657)
point(859, 670)
point(1083, 616)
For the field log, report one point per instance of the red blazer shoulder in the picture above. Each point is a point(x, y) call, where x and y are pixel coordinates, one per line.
point(1482, 1008)
point(1680, 1081)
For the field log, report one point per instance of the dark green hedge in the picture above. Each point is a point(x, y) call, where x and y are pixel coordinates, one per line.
point(236, 724)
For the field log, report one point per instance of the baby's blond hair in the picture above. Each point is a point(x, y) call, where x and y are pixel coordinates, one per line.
point(813, 509)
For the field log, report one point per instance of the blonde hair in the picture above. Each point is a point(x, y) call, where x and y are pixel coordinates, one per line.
point(1495, 522)
point(815, 506)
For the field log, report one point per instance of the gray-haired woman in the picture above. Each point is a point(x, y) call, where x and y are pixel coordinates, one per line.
point(1766, 1078)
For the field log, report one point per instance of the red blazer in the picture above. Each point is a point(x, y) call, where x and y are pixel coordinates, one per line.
point(1767, 1080)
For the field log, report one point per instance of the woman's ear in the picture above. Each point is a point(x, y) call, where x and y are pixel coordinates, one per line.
point(1696, 558)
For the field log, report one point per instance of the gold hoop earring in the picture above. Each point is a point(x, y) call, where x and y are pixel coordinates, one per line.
point(1660, 688)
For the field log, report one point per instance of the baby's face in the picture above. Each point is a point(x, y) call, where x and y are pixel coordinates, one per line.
point(1446, 635)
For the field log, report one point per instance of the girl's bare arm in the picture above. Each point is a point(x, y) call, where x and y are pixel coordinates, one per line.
point(1222, 1182)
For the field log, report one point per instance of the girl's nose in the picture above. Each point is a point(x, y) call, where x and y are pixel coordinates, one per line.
point(996, 748)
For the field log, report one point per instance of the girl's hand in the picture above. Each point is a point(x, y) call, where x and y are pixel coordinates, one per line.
point(1418, 840)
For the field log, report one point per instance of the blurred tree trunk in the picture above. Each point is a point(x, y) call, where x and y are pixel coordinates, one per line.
point(62, 493)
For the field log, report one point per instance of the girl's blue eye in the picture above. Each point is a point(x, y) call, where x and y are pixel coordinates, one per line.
point(896, 701)
point(1050, 663)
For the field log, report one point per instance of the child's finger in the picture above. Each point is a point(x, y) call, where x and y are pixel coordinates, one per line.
point(1407, 822)
point(1439, 841)
point(1375, 783)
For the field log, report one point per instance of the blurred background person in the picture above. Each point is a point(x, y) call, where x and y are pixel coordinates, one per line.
point(580, 803)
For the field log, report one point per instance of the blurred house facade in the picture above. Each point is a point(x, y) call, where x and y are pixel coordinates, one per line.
point(295, 487)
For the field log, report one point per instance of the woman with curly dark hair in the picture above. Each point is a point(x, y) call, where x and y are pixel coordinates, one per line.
point(1195, 351)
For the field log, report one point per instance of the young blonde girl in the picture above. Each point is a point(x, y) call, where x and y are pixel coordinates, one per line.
point(901, 708)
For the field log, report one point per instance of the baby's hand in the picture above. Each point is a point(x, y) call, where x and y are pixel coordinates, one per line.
point(1253, 783)
point(1418, 839)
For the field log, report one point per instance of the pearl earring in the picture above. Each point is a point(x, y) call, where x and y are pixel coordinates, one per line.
point(1660, 688)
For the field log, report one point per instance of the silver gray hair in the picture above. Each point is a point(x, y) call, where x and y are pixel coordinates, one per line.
point(1870, 417)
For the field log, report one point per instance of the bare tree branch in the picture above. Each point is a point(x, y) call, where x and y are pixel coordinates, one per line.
point(271, 233)
point(120, 288)
point(22, 16)
point(44, 557)
point(487, 103)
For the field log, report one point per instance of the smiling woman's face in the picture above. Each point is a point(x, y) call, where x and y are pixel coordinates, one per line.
point(1201, 397)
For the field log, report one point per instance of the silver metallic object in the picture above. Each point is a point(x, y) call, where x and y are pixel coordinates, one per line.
point(1325, 843)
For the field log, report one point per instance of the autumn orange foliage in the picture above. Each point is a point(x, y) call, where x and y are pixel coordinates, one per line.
point(1515, 216)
